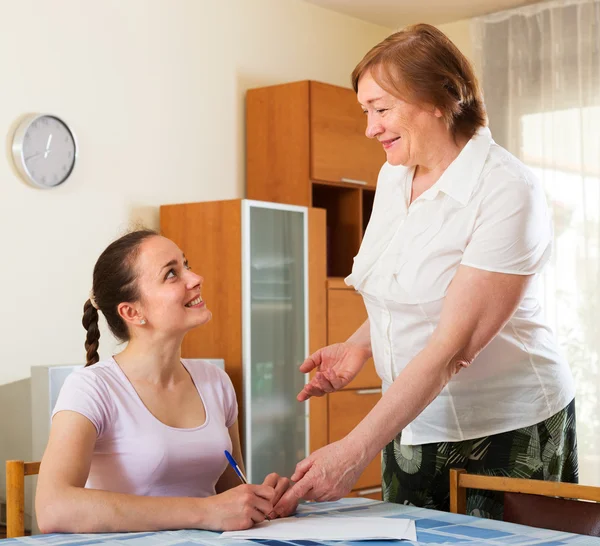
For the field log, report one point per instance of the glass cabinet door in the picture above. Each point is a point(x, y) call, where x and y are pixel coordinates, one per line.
point(275, 338)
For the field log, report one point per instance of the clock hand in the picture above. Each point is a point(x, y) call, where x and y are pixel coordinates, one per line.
point(33, 156)
point(48, 146)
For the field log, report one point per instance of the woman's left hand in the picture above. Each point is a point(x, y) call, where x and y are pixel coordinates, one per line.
point(327, 474)
point(280, 485)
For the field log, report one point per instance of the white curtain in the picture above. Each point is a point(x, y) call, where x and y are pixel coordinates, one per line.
point(540, 70)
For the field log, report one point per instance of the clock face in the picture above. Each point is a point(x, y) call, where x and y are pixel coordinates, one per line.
point(44, 150)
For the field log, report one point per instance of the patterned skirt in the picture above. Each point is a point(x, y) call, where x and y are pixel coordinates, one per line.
point(419, 474)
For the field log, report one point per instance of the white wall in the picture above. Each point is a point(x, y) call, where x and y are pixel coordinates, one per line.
point(154, 91)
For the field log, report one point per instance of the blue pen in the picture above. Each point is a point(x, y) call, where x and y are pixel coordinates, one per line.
point(235, 467)
point(239, 472)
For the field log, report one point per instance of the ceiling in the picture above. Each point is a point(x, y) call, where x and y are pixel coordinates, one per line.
point(398, 13)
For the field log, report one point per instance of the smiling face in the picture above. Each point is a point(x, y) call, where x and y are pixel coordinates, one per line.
point(170, 292)
point(404, 129)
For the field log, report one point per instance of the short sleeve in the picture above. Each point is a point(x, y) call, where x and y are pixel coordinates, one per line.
point(230, 405)
point(82, 392)
point(512, 231)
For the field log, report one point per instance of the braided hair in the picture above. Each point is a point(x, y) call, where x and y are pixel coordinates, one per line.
point(114, 281)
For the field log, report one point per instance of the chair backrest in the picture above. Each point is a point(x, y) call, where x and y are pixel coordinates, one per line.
point(15, 495)
point(537, 503)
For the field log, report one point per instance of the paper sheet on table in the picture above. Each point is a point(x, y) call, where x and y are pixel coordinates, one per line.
point(324, 528)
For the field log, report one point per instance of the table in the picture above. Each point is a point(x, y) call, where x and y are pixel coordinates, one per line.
point(433, 527)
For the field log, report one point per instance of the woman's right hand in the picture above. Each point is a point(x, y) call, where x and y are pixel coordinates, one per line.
point(336, 366)
point(240, 507)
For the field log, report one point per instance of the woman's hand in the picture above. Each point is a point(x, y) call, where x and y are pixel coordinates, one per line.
point(280, 485)
point(336, 365)
point(327, 474)
point(240, 507)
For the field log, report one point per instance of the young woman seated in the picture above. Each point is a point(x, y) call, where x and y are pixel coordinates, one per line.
point(137, 440)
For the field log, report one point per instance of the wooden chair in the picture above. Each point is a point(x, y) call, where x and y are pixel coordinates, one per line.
point(550, 505)
point(15, 495)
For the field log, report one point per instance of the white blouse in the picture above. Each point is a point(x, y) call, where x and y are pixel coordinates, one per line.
point(486, 211)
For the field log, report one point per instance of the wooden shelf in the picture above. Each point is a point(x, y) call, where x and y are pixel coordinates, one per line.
point(336, 283)
point(348, 213)
point(368, 196)
point(344, 231)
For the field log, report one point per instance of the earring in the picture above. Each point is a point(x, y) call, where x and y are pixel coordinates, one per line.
point(143, 321)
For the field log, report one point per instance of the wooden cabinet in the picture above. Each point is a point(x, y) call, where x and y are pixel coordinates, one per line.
point(346, 410)
point(346, 312)
point(305, 132)
point(340, 151)
point(306, 145)
point(257, 260)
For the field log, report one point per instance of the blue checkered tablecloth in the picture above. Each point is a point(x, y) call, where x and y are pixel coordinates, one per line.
point(433, 527)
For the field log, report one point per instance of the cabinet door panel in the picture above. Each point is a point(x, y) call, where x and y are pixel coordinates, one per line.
point(346, 410)
point(340, 151)
point(274, 339)
point(345, 313)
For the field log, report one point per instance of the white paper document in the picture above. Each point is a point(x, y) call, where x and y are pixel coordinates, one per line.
point(323, 528)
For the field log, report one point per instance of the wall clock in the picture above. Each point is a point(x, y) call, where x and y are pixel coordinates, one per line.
point(44, 150)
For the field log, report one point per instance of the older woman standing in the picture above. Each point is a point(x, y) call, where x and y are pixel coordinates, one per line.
point(459, 233)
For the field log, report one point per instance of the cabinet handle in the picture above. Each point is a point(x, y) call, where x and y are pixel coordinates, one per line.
point(370, 491)
point(368, 391)
point(353, 181)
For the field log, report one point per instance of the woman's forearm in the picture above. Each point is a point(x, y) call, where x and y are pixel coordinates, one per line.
point(362, 337)
point(412, 391)
point(79, 510)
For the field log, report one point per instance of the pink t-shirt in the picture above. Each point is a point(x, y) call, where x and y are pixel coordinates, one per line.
point(138, 454)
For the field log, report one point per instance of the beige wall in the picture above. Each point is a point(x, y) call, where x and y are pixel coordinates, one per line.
point(460, 33)
point(154, 92)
